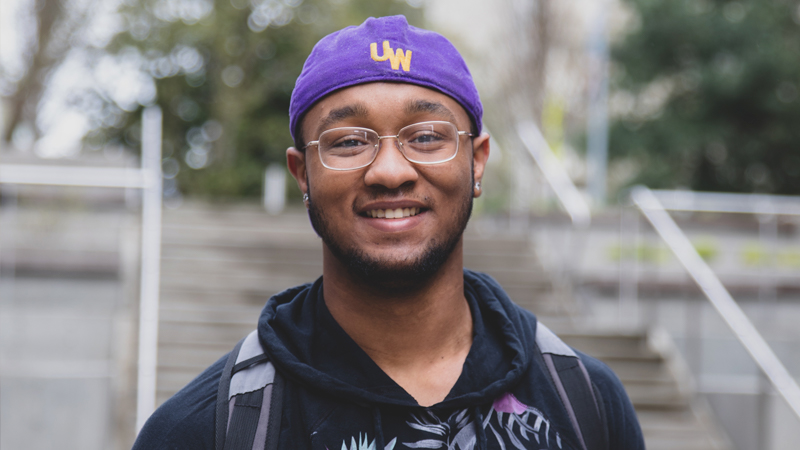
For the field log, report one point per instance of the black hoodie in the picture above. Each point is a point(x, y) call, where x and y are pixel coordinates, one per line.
point(336, 397)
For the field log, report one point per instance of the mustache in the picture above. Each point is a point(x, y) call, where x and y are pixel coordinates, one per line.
point(380, 194)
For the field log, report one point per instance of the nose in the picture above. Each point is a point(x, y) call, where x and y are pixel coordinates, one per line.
point(390, 168)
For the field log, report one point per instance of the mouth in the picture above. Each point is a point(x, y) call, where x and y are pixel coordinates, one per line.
point(396, 213)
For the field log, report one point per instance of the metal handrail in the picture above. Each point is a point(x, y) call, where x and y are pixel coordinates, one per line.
point(109, 177)
point(566, 192)
point(744, 330)
point(148, 178)
point(724, 202)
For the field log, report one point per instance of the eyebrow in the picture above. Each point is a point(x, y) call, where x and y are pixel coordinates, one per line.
point(339, 114)
point(425, 106)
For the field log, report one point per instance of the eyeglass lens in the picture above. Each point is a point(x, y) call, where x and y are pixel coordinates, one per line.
point(425, 142)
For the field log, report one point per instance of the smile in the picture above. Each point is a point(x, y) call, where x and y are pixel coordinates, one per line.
point(398, 213)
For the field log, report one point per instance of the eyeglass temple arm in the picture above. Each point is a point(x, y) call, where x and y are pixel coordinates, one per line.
point(310, 144)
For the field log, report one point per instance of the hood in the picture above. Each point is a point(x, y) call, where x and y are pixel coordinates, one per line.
point(308, 346)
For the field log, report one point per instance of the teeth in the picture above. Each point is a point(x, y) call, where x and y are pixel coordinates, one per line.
point(393, 213)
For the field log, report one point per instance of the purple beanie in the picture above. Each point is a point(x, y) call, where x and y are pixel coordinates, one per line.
point(383, 49)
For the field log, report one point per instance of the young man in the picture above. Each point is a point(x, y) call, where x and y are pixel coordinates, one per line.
point(396, 345)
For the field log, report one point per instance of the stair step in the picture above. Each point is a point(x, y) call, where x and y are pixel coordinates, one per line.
point(636, 370)
point(679, 429)
point(228, 283)
point(189, 357)
point(670, 416)
point(209, 298)
point(225, 336)
point(237, 268)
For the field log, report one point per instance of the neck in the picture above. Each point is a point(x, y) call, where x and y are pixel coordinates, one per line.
point(408, 333)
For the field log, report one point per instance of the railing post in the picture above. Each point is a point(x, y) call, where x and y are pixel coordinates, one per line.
point(767, 238)
point(567, 194)
point(8, 257)
point(629, 268)
point(694, 335)
point(151, 264)
point(764, 421)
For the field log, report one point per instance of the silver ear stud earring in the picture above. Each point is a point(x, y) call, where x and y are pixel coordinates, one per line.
point(478, 185)
point(305, 197)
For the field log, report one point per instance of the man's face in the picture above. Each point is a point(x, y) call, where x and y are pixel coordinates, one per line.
point(389, 252)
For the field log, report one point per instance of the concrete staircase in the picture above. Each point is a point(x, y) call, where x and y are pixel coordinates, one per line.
point(221, 264)
point(658, 383)
point(219, 267)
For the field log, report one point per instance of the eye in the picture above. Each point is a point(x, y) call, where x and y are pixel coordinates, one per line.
point(425, 137)
point(427, 141)
point(345, 143)
point(349, 142)
point(345, 138)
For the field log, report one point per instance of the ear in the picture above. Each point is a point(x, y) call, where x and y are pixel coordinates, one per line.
point(296, 162)
point(480, 154)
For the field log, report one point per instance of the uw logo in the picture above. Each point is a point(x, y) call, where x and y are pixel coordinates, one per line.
point(395, 58)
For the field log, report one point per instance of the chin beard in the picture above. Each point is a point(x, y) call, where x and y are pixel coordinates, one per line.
point(400, 276)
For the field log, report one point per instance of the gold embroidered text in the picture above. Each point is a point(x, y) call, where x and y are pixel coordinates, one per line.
point(396, 59)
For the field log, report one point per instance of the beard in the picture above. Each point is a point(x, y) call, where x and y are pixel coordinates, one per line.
point(405, 275)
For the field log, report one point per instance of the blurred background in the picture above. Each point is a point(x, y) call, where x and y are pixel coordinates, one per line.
point(642, 197)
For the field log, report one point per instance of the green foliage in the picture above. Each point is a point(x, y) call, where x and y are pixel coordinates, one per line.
point(755, 254)
point(789, 258)
point(643, 252)
point(657, 254)
point(707, 248)
point(706, 95)
point(224, 80)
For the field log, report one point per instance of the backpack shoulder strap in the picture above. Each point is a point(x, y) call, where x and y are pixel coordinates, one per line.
point(576, 390)
point(249, 400)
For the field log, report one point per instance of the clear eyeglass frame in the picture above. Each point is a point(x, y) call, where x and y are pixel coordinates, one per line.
point(369, 132)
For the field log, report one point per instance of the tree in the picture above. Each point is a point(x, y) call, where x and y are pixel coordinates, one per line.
point(224, 72)
point(43, 51)
point(705, 95)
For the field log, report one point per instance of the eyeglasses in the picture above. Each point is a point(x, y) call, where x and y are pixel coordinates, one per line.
point(351, 148)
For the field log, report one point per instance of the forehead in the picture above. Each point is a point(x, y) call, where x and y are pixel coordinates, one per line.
point(382, 107)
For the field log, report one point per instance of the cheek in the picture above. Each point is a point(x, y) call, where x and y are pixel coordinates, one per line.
point(330, 187)
point(318, 180)
point(450, 180)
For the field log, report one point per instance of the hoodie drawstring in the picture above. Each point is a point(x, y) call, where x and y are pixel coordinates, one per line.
point(376, 421)
point(477, 418)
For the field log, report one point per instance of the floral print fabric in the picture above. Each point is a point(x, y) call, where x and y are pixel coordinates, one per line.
point(510, 424)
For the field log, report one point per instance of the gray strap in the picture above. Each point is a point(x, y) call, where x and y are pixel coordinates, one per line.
point(260, 437)
point(589, 383)
point(551, 367)
point(222, 412)
point(275, 414)
point(548, 342)
point(254, 377)
point(263, 419)
point(251, 347)
point(244, 420)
